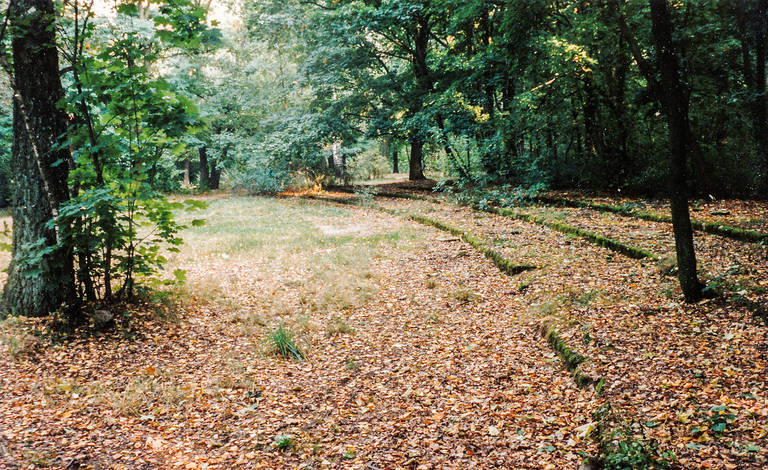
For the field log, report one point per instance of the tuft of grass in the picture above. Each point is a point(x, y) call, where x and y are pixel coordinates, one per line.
point(280, 341)
point(284, 442)
point(337, 326)
point(464, 295)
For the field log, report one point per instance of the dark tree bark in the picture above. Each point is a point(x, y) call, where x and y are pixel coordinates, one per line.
point(40, 166)
point(675, 105)
point(674, 99)
point(205, 176)
point(395, 162)
point(416, 168)
point(421, 72)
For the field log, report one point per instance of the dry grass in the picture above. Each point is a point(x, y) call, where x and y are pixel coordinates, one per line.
point(289, 262)
point(16, 338)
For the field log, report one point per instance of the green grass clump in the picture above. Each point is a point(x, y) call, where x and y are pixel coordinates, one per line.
point(284, 442)
point(281, 342)
point(464, 295)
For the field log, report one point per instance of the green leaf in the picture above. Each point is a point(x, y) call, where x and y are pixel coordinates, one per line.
point(180, 275)
point(719, 427)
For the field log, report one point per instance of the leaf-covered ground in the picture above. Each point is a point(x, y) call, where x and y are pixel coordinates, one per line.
point(419, 352)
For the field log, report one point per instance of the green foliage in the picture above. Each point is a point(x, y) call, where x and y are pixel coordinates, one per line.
point(125, 119)
point(632, 454)
point(284, 442)
point(721, 418)
point(281, 342)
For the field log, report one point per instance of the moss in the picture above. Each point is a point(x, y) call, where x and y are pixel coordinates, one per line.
point(504, 264)
point(571, 359)
point(713, 228)
point(622, 248)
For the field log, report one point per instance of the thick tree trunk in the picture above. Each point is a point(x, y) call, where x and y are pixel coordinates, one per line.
point(39, 165)
point(675, 105)
point(205, 177)
point(416, 167)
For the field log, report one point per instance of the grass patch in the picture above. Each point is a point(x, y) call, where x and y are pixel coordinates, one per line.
point(321, 263)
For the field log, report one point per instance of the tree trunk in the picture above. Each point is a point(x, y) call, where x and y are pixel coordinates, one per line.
point(395, 162)
point(205, 176)
point(675, 105)
point(215, 177)
point(187, 165)
point(416, 167)
point(423, 86)
point(386, 146)
point(40, 167)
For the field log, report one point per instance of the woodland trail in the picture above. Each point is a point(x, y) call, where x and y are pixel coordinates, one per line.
point(420, 353)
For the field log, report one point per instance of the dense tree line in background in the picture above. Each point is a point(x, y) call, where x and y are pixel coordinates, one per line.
point(551, 92)
point(532, 92)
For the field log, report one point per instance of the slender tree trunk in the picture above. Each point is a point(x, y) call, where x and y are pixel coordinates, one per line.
point(205, 176)
point(187, 165)
point(675, 105)
point(41, 177)
point(395, 161)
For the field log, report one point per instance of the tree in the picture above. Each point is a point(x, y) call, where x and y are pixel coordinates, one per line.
point(674, 99)
point(41, 283)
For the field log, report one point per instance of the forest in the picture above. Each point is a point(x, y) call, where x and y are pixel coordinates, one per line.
point(377, 234)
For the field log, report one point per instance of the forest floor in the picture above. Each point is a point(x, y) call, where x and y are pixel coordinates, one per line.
point(418, 351)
